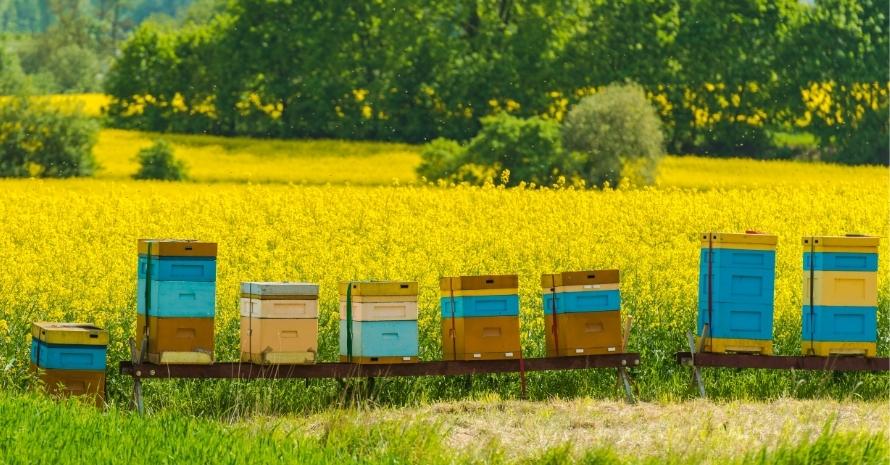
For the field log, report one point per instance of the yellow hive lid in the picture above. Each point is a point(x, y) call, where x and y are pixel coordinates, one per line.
point(579, 278)
point(748, 238)
point(69, 333)
point(481, 282)
point(379, 288)
point(850, 240)
point(177, 248)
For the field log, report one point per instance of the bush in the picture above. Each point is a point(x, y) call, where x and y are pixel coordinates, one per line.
point(39, 140)
point(530, 149)
point(159, 162)
point(615, 133)
point(441, 159)
point(511, 149)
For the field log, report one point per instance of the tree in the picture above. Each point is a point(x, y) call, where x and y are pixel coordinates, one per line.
point(616, 134)
point(40, 140)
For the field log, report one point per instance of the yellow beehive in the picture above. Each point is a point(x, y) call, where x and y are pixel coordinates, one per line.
point(69, 333)
point(378, 288)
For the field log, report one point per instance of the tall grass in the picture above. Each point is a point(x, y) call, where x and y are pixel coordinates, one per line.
point(35, 430)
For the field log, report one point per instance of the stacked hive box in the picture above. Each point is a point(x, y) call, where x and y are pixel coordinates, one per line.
point(840, 295)
point(176, 300)
point(581, 312)
point(480, 317)
point(70, 358)
point(279, 322)
point(378, 322)
point(736, 287)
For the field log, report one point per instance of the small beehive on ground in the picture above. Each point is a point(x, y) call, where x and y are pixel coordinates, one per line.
point(840, 295)
point(480, 317)
point(378, 322)
point(176, 300)
point(70, 358)
point(582, 312)
point(279, 322)
point(736, 288)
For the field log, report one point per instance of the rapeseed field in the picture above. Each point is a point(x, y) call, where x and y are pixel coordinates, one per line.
point(68, 253)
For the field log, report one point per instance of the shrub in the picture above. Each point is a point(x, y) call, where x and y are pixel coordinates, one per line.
point(531, 149)
point(39, 140)
point(441, 159)
point(159, 162)
point(614, 133)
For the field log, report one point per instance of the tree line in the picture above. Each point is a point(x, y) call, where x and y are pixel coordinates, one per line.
point(65, 46)
point(725, 77)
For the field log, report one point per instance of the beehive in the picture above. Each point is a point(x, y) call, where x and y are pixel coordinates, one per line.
point(70, 358)
point(480, 317)
point(378, 322)
point(736, 289)
point(840, 295)
point(176, 300)
point(582, 312)
point(279, 322)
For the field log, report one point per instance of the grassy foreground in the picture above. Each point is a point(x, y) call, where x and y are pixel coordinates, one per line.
point(784, 432)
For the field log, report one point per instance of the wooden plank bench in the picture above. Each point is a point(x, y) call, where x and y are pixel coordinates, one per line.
point(240, 370)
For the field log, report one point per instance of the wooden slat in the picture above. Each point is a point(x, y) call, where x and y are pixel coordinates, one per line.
point(235, 370)
point(779, 362)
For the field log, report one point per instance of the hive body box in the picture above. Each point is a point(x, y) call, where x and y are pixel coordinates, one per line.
point(69, 358)
point(279, 322)
point(480, 317)
point(176, 300)
point(840, 295)
point(582, 312)
point(736, 289)
point(378, 322)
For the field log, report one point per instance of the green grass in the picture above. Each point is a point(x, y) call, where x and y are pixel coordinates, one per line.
point(35, 430)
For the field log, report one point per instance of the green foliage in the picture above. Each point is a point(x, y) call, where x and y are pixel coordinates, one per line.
point(725, 74)
point(159, 162)
point(441, 159)
point(74, 68)
point(509, 149)
point(529, 149)
point(616, 134)
point(37, 139)
point(844, 42)
point(12, 79)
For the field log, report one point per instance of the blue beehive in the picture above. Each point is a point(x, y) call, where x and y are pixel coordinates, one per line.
point(840, 295)
point(180, 287)
point(736, 289)
point(480, 305)
point(381, 339)
point(583, 301)
point(176, 300)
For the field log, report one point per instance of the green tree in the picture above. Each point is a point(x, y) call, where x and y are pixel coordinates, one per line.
point(43, 141)
point(615, 134)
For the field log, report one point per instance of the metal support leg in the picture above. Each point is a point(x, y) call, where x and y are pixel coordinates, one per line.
point(696, 371)
point(624, 378)
point(137, 380)
point(371, 385)
point(523, 391)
